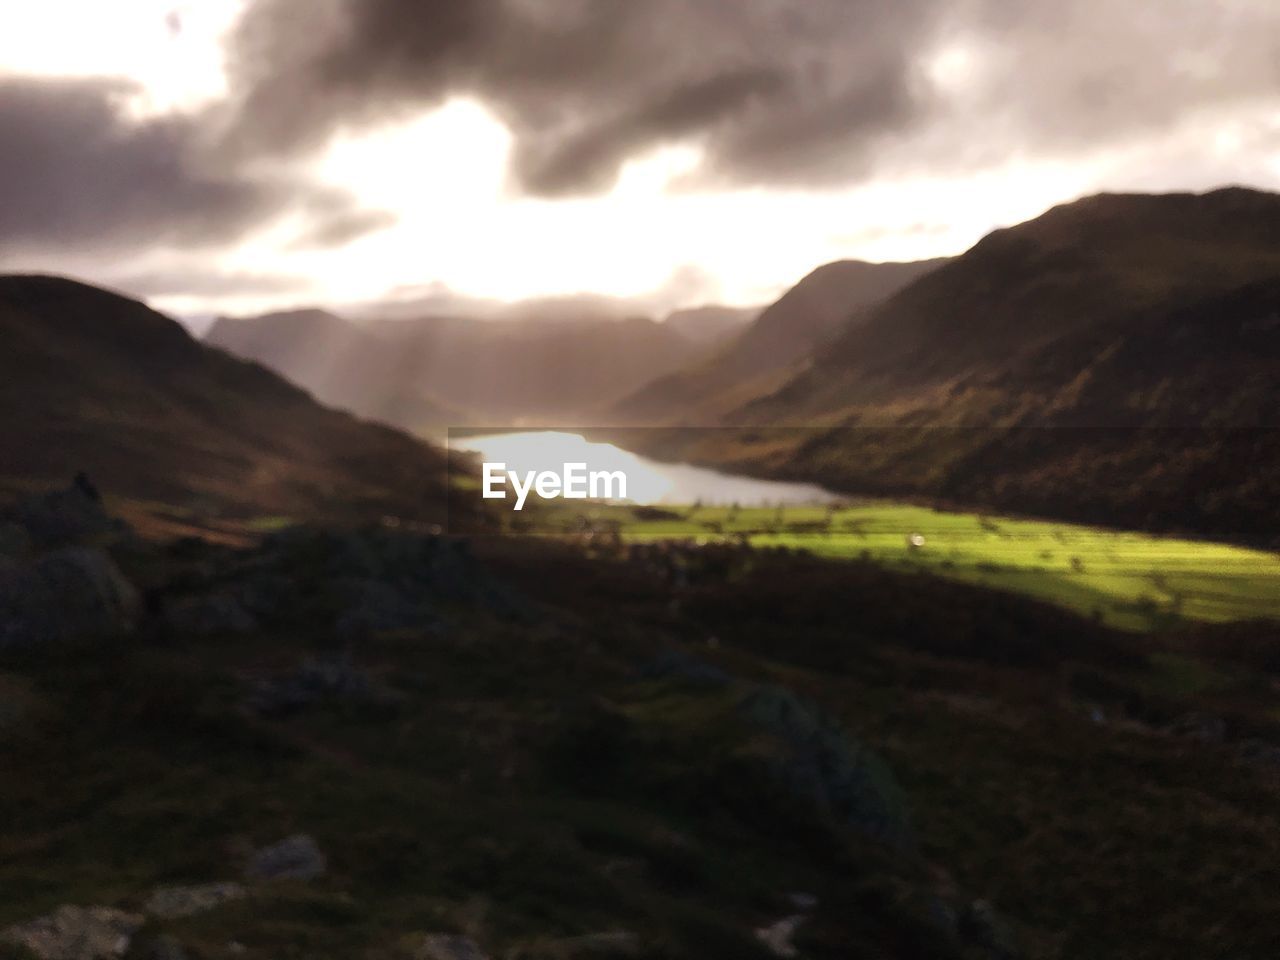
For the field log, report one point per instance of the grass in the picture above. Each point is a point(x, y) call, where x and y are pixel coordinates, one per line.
point(530, 782)
point(1129, 580)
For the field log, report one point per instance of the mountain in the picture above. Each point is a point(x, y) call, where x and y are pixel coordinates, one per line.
point(1116, 359)
point(437, 371)
point(760, 357)
point(93, 381)
point(711, 323)
point(341, 362)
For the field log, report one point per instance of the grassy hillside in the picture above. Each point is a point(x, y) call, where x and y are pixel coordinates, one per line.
point(1116, 360)
point(96, 382)
point(1128, 580)
point(758, 359)
point(649, 753)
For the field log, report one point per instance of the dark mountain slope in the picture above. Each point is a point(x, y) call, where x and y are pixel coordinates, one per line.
point(1117, 359)
point(1097, 262)
point(90, 380)
point(784, 333)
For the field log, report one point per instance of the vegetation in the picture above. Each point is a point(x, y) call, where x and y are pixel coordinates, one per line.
point(592, 757)
point(1130, 580)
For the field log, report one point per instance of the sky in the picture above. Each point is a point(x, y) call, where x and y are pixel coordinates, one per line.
point(232, 156)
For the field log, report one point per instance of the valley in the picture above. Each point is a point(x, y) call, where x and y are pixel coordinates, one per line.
point(904, 646)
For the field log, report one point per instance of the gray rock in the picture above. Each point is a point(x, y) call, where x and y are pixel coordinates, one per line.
point(818, 762)
point(214, 614)
point(170, 902)
point(777, 937)
point(75, 592)
point(74, 515)
point(76, 933)
point(375, 607)
point(418, 569)
point(803, 901)
point(448, 946)
point(295, 858)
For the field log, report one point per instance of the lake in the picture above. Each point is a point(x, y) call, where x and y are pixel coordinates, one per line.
point(648, 481)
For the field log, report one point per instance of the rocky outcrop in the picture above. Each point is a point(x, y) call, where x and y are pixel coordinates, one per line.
point(816, 761)
point(295, 858)
point(76, 933)
point(170, 902)
point(66, 516)
point(70, 593)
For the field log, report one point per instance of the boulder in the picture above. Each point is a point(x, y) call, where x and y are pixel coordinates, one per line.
point(814, 760)
point(71, 593)
point(170, 902)
point(76, 933)
point(448, 946)
point(777, 937)
point(372, 606)
point(74, 515)
point(295, 858)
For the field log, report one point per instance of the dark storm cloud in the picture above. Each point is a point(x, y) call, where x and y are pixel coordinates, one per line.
point(779, 92)
point(77, 172)
point(774, 88)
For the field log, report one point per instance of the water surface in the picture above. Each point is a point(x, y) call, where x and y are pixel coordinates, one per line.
point(648, 481)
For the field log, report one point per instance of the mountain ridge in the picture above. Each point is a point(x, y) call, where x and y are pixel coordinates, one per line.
point(782, 335)
point(101, 383)
point(1097, 325)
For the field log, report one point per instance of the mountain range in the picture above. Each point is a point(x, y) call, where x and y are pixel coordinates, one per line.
point(431, 372)
point(760, 356)
point(1116, 359)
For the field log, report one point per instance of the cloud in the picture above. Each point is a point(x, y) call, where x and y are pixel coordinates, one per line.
point(194, 281)
point(342, 228)
point(768, 86)
point(79, 172)
point(777, 92)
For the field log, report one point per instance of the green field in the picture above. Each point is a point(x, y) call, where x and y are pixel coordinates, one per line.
point(1129, 580)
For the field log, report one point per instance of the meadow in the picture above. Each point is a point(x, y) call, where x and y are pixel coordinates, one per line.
point(1129, 580)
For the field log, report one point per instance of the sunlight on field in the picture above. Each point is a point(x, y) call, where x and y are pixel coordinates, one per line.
point(1129, 580)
